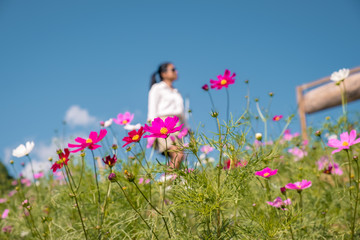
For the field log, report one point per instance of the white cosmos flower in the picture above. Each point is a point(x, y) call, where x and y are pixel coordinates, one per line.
point(130, 127)
point(22, 150)
point(340, 75)
point(108, 122)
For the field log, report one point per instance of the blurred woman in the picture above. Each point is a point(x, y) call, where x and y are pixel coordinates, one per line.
point(166, 101)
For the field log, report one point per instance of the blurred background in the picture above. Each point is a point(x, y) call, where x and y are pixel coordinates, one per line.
point(67, 65)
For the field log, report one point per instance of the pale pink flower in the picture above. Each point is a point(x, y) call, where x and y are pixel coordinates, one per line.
point(279, 203)
point(5, 214)
point(346, 140)
point(123, 119)
point(38, 175)
point(3, 200)
point(12, 193)
point(299, 185)
point(183, 133)
point(298, 153)
point(206, 149)
point(150, 142)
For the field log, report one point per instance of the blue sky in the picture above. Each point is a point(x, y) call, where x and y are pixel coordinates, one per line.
point(97, 57)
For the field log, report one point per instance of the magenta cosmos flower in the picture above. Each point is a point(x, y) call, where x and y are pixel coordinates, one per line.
point(88, 143)
point(279, 203)
point(123, 119)
point(277, 118)
point(223, 80)
point(162, 129)
point(299, 185)
point(345, 141)
point(266, 172)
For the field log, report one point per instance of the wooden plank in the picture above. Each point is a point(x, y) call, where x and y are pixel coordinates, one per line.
point(329, 95)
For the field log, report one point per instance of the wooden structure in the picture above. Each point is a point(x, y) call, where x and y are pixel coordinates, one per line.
point(325, 95)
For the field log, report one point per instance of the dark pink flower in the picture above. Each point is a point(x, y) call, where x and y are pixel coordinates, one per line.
point(63, 159)
point(110, 161)
point(266, 172)
point(241, 163)
point(88, 143)
point(345, 141)
point(205, 87)
point(162, 129)
point(223, 80)
point(134, 136)
point(277, 118)
point(299, 185)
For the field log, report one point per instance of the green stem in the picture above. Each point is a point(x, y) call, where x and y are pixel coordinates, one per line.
point(218, 179)
point(227, 106)
point(98, 190)
point(350, 184)
point(67, 170)
point(133, 207)
point(153, 207)
point(33, 173)
point(356, 200)
point(301, 206)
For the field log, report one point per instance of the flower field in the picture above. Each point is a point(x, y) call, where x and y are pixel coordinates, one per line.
point(235, 183)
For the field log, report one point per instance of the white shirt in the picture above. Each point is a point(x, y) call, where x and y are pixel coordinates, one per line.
point(165, 101)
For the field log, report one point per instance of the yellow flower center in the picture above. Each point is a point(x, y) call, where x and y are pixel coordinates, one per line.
point(135, 138)
point(164, 130)
point(223, 82)
point(109, 163)
point(124, 121)
point(89, 140)
point(345, 143)
point(277, 118)
point(298, 186)
point(266, 174)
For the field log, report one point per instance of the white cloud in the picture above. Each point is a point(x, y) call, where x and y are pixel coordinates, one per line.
point(76, 116)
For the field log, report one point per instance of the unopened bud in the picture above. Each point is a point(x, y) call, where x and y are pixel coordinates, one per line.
point(128, 149)
point(129, 176)
point(205, 87)
point(355, 158)
point(256, 117)
point(11, 161)
point(318, 133)
point(112, 177)
point(246, 81)
point(50, 159)
point(58, 151)
point(271, 94)
point(283, 190)
point(256, 99)
point(337, 83)
point(82, 154)
point(327, 118)
point(214, 114)
point(114, 146)
point(258, 136)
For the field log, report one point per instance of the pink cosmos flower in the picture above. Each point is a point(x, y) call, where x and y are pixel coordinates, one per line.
point(277, 118)
point(241, 163)
point(5, 214)
point(279, 203)
point(7, 229)
point(288, 136)
point(150, 142)
point(38, 175)
point(266, 172)
point(123, 119)
point(345, 141)
point(328, 167)
point(298, 153)
point(26, 182)
point(2, 200)
point(299, 185)
point(162, 129)
point(141, 181)
point(206, 149)
point(223, 80)
point(12, 193)
point(183, 133)
point(88, 143)
point(14, 183)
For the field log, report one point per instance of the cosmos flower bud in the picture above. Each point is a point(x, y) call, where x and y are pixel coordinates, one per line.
point(11, 161)
point(258, 136)
point(256, 99)
point(214, 114)
point(318, 133)
point(114, 146)
point(205, 87)
point(355, 158)
point(271, 94)
point(112, 177)
point(129, 176)
point(50, 159)
point(283, 190)
point(82, 154)
point(246, 81)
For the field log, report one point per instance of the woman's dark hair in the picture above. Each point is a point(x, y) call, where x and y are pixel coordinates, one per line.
point(162, 68)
